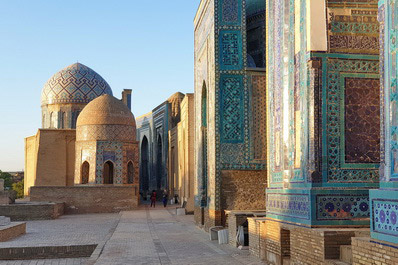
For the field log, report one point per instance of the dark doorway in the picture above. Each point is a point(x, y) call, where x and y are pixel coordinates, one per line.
point(85, 172)
point(108, 172)
point(130, 173)
point(159, 162)
point(144, 166)
point(285, 246)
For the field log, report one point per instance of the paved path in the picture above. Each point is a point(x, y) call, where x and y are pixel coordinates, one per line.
point(144, 236)
point(67, 230)
point(157, 236)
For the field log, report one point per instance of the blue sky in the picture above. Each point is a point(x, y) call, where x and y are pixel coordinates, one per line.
point(146, 46)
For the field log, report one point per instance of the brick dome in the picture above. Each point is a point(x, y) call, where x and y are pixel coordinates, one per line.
point(106, 118)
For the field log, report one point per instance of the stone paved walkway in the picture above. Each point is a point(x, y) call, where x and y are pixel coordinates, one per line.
point(158, 236)
point(67, 230)
point(144, 236)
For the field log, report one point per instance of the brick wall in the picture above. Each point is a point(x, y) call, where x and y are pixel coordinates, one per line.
point(46, 252)
point(367, 251)
point(198, 216)
point(32, 211)
point(238, 218)
point(90, 199)
point(316, 245)
point(307, 246)
point(243, 190)
point(257, 231)
point(234, 220)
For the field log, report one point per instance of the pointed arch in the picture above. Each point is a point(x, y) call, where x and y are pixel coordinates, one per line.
point(85, 173)
point(203, 160)
point(108, 172)
point(144, 176)
point(159, 162)
point(130, 172)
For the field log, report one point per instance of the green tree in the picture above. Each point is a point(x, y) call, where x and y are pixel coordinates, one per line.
point(18, 187)
point(7, 179)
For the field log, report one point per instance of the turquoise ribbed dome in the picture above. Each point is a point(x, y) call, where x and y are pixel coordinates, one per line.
point(76, 83)
point(254, 6)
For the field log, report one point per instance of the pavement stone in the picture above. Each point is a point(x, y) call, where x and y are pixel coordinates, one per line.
point(144, 236)
point(158, 236)
point(65, 231)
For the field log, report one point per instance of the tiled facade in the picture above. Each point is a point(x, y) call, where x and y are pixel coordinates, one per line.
point(153, 136)
point(229, 133)
point(323, 135)
point(181, 153)
point(106, 133)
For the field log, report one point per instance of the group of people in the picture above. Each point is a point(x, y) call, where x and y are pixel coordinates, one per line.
point(154, 197)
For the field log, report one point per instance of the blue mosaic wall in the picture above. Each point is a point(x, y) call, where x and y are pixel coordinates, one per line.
point(113, 152)
point(236, 146)
point(315, 152)
point(384, 202)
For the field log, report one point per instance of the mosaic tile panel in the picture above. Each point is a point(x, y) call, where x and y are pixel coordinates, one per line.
point(355, 32)
point(259, 117)
point(109, 151)
point(230, 11)
point(342, 207)
point(108, 132)
point(289, 205)
point(231, 88)
point(384, 217)
point(231, 50)
point(361, 43)
point(336, 69)
point(362, 120)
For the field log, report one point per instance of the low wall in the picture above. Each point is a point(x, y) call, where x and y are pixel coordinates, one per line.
point(369, 251)
point(46, 252)
point(238, 218)
point(11, 231)
point(32, 211)
point(90, 199)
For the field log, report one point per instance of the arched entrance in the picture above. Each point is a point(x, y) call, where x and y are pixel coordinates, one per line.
point(144, 165)
point(108, 172)
point(85, 172)
point(203, 183)
point(159, 166)
point(130, 173)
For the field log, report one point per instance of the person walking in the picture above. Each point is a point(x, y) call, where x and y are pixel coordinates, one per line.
point(153, 198)
point(165, 198)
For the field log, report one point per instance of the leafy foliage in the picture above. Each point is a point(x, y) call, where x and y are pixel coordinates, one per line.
point(19, 188)
point(7, 179)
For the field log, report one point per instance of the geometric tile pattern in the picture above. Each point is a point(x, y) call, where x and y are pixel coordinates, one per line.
point(232, 114)
point(342, 207)
point(230, 11)
point(384, 217)
point(289, 205)
point(259, 129)
point(307, 115)
point(109, 132)
point(76, 83)
point(341, 73)
point(362, 122)
point(230, 55)
point(109, 151)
